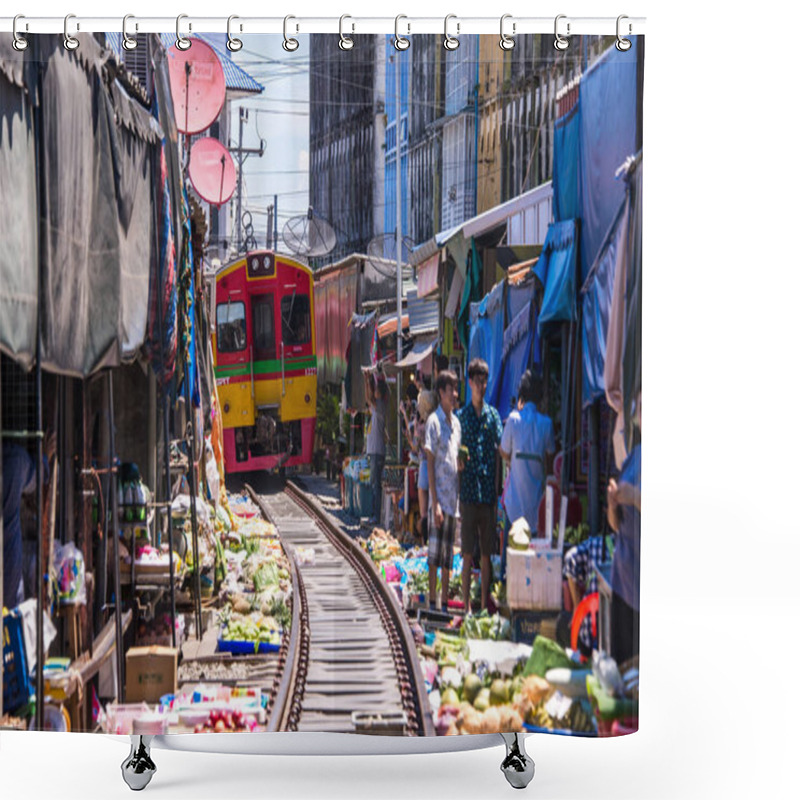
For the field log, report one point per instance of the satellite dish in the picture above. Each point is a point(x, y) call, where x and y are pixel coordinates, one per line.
point(309, 236)
point(382, 253)
point(197, 82)
point(212, 171)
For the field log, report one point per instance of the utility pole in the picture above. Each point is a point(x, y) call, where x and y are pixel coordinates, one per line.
point(275, 223)
point(240, 154)
point(272, 225)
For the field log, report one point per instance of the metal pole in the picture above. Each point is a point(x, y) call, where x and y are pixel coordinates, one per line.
point(399, 245)
point(168, 477)
point(39, 543)
point(275, 223)
point(40, 184)
point(193, 506)
point(112, 481)
point(240, 157)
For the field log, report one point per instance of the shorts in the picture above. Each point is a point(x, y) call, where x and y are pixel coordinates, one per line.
point(440, 544)
point(422, 478)
point(477, 521)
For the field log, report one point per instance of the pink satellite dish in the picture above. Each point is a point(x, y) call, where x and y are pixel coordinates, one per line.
point(212, 171)
point(197, 81)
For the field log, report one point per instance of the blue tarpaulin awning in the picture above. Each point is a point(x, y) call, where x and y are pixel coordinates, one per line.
point(556, 269)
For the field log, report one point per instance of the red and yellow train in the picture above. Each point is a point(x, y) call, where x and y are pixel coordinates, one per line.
point(265, 361)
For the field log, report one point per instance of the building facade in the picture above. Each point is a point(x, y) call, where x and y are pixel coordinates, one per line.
point(343, 137)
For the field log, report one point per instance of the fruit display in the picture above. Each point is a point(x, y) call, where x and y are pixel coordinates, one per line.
point(226, 721)
point(253, 627)
point(381, 545)
point(493, 703)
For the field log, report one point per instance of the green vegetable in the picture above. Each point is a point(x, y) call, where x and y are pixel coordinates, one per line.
point(266, 575)
point(546, 654)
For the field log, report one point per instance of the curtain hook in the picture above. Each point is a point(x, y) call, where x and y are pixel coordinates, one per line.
point(345, 42)
point(400, 42)
point(19, 42)
point(290, 45)
point(181, 42)
point(70, 42)
point(128, 42)
point(560, 42)
point(623, 45)
point(450, 42)
point(233, 44)
point(507, 42)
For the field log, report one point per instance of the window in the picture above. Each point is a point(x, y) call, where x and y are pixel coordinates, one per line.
point(263, 308)
point(296, 319)
point(231, 333)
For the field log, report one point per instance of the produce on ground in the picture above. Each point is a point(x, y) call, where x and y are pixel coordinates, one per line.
point(381, 545)
point(483, 626)
point(546, 654)
point(251, 628)
point(222, 721)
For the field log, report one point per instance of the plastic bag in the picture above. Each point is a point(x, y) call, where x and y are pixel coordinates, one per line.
point(70, 574)
point(212, 473)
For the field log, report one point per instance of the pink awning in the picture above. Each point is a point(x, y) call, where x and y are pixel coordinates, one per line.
point(428, 276)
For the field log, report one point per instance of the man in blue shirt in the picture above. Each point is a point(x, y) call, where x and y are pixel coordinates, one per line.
point(528, 444)
point(625, 517)
point(19, 477)
point(481, 430)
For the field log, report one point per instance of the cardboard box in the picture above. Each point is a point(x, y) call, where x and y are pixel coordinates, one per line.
point(150, 673)
point(533, 580)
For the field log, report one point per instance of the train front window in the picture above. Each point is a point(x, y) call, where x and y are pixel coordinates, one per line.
point(296, 319)
point(263, 326)
point(231, 332)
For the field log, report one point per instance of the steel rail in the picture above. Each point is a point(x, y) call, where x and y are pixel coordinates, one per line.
point(408, 668)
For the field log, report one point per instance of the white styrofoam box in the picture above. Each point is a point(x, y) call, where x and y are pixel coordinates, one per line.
point(533, 579)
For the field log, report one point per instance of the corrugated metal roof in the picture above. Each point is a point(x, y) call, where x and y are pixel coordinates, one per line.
point(423, 314)
point(505, 213)
point(236, 79)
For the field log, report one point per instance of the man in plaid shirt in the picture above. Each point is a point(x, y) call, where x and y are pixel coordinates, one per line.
point(582, 580)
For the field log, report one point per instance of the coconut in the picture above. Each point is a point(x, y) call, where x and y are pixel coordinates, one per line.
point(450, 697)
point(472, 685)
point(498, 694)
point(483, 700)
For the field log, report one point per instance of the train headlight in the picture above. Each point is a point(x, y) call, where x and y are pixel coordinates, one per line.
point(308, 398)
point(226, 408)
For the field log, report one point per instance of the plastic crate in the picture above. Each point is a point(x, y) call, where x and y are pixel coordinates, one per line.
point(527, 625)
point(17, 686)
point(238, 648)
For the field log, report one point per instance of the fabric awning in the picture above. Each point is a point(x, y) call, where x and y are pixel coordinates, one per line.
point(556, 269)
point(390, 326)
point(19, 254)
point(423, 346)
point(428, 276)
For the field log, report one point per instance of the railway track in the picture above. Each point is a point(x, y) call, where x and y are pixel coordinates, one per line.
point(350, 653)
